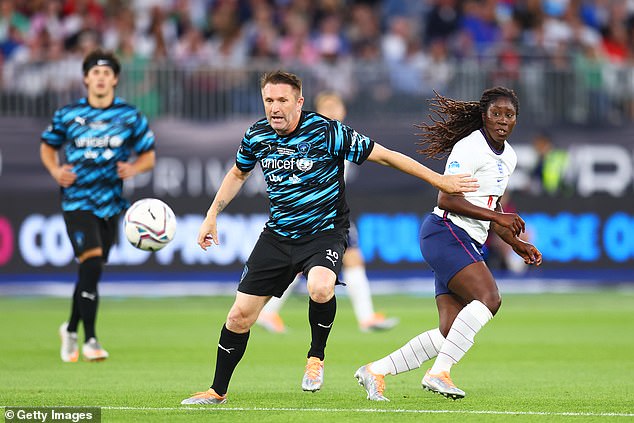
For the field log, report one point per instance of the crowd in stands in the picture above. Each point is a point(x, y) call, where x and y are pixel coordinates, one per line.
point(419, 41)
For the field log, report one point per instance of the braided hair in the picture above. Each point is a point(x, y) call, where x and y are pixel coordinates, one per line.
point(452, 120)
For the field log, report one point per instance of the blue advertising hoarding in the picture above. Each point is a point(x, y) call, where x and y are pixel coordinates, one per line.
point(590, 228)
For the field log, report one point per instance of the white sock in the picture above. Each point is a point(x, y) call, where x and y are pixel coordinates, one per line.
point(359, 291)
point(460, 337)
point(409, 357)
point(275, 304)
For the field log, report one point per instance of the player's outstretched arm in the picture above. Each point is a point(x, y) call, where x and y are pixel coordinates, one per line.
point(231, 185)
point(451, 184)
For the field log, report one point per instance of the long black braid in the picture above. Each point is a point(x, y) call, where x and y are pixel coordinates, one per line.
point(452, 120)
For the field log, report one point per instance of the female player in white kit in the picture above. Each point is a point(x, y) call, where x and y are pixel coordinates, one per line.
point(467, 297)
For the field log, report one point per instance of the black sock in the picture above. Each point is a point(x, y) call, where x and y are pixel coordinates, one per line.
point(73, 322)
point(231, 348)
point(86, 295)
point(321, 317)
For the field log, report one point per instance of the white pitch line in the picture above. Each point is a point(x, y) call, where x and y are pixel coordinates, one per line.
point(373, 410)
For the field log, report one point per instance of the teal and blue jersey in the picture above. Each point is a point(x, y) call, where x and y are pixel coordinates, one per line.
point(304, 172)
point(94, 140)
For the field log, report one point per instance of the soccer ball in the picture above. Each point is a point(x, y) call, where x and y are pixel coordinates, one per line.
point(150, 224)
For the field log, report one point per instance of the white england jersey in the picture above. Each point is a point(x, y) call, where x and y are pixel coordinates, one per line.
point(474, 155)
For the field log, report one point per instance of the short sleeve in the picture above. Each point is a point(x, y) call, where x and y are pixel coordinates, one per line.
point(461, 160)
point(143, 135)
point(245, 158)
point(55, 133)
point(348, 143)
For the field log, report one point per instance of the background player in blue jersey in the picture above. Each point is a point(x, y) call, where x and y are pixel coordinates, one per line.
point(331, 105)
point(98, 133)
point(302, 157)
point(475, 136)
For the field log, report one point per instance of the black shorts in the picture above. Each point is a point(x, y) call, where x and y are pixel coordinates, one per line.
point(87, 231)
point(353, 236)
point(276, 260)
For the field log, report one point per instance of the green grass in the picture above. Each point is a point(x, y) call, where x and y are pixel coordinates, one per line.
point(542, 357)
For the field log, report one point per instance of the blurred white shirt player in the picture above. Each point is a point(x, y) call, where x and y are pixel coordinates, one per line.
point(354, 275)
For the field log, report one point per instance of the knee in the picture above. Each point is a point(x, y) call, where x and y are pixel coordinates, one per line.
point(321, 284)
point(493, 302)
point(92, 264)
point(90, 271)
point(320, 292)
point(238, 321)
point(444, 329)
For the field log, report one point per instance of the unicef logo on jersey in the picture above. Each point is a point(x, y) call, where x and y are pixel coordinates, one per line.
point(115, 141)
point(304, 164)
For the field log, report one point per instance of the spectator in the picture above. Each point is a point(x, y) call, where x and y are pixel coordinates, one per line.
point(592, 102)
point(364, 27)
point(334, 70)
point(11, 18)
point(80, 15)
point(550, 172)
point(439, 69)
point(394, 44)
point(49, 18)
point(26, 68)
point(261, 33)
point(296, 47)
point(138, 83)
point(228, 47)
point(442, 21)
point(192, 50)
point(481, 23)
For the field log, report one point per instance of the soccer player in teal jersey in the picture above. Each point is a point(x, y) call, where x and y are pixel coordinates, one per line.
point(98, 134)
point(331, 105)
point(302, 157)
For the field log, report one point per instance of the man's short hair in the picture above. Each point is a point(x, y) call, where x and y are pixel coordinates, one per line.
point(101, 57)
point(281, 77)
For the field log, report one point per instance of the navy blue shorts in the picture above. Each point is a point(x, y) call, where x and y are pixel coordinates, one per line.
point(448, 249)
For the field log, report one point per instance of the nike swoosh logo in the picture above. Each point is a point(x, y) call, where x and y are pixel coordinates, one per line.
point(228, 350)
point(88, 295)
point(325, 327)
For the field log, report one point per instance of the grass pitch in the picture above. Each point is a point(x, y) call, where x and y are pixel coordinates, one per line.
point(547, 357)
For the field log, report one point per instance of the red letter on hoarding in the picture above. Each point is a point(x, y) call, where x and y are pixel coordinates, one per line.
point(6, 241)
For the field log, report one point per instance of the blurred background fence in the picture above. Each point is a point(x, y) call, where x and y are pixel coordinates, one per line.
point(602, 96)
